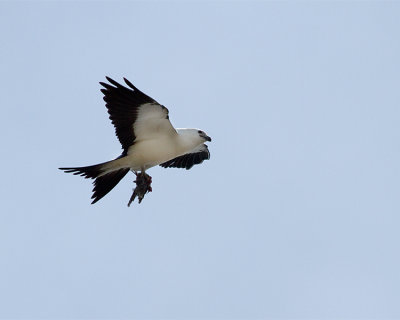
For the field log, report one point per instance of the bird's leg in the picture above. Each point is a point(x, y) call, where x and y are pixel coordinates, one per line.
point(143, 185)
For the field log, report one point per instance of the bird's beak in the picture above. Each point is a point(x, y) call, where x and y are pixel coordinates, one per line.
point(208, 138)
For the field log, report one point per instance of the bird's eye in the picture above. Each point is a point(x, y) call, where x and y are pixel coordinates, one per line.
point(201, 132)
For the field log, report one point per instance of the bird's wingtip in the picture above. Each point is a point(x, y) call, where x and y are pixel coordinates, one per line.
point(129, 84)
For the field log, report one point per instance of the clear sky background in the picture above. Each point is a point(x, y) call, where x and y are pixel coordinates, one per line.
point(296, 214)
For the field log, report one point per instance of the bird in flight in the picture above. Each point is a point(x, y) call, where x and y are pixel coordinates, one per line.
point(148, 139)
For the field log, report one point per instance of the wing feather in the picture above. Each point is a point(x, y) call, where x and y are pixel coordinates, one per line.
point(128, 106)
point(188, 160)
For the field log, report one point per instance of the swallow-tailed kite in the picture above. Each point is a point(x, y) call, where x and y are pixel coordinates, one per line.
point(147, 137)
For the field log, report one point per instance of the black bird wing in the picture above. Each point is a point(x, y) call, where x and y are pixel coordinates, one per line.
point(188, 160)
point(134, 114)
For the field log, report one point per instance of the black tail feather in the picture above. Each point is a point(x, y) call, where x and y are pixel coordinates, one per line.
point(105, 183)
point(87, 172)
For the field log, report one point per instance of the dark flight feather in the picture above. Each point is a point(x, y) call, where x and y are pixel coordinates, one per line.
point(123, 105)
point(188, 160)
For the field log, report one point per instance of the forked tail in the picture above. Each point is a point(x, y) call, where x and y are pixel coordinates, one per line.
point(105, 178)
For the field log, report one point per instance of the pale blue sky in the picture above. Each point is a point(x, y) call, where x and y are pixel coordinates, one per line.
point(296, 215)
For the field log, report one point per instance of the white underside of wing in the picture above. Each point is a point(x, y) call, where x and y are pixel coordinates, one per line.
point(151, 123)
